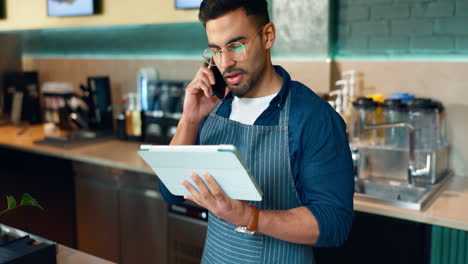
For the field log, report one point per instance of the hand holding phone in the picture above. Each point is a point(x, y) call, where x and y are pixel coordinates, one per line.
point(199, 100)
point(219, 88)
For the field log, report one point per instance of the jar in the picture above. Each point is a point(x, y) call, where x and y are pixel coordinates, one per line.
point(366, 114)
point(424, 116)
point(394, 111)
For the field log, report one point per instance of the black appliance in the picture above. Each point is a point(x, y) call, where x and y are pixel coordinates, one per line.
point(97, 95)
point(21, 96)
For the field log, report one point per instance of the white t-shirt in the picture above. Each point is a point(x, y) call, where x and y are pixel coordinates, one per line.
point(247, 110)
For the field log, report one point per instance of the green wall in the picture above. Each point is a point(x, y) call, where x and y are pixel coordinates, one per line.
point(401, 29)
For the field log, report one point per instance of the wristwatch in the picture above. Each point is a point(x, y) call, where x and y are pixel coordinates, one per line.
point(252, 226)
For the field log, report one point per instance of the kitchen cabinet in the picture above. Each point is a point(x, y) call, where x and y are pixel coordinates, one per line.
point(12, 183)
point(120, 215)
point(383, 240)
point(97, 211)
point(143, 219)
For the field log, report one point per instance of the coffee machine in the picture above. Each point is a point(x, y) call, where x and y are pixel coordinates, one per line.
point(165, 99)
point(77, 119)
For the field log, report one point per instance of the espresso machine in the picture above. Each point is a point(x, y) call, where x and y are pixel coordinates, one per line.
point(410, 143)
point(164, 100)
point(73, 119)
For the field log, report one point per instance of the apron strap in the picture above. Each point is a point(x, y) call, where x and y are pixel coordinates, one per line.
point(215, 109)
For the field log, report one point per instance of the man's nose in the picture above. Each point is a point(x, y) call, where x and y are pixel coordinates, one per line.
point(226, 61)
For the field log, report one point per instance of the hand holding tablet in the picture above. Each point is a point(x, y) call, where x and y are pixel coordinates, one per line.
point(173, 164)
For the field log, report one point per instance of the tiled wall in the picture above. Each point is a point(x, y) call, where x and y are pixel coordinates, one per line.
point(123, 72)
point(405, 28)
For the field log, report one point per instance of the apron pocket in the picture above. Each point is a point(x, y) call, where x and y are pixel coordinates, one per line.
point(224, 245)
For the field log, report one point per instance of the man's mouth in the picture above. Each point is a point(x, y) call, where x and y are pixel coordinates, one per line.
point(234, 77)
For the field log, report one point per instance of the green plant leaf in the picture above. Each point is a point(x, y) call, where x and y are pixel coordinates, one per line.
point(27, 199)
point(11, 202)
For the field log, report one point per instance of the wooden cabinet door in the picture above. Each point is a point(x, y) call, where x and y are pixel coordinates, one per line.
point(97, 213)
point(143, 220)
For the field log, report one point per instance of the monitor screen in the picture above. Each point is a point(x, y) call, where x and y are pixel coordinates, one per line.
point(2, 9)
point(186, 4)
point(57, 8)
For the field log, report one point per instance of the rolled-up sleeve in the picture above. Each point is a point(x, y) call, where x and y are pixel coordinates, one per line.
point(326, 175)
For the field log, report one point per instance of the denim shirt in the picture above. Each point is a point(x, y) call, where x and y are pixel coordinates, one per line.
point(319, 153)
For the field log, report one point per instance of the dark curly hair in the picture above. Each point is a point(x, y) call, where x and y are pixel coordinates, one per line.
point(212, 9)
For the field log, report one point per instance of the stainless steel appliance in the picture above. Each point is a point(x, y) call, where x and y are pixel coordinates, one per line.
point(393, 164)
point(187, 227)
point(406, 178)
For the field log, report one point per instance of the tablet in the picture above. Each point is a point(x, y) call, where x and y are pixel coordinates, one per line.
point(172, 164)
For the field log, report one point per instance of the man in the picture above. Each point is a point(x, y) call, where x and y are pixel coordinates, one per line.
point(293, 142)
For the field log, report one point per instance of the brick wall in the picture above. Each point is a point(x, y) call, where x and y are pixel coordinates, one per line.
point(401, 27)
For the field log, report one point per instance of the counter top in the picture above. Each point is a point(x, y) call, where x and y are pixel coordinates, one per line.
point(66, 255)
point(112, 152)
point(448, 209)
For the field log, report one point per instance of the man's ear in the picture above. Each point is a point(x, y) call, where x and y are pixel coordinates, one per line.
point(269, 35)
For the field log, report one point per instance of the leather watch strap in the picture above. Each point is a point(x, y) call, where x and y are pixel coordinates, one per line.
point(252, 226)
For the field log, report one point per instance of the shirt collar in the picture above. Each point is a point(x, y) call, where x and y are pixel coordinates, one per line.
point(280, 99)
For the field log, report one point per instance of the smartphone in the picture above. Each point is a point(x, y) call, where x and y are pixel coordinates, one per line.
point(219, 89)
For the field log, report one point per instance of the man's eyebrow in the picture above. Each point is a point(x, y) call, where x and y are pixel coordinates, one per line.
point(235, 39)
point(210, 45)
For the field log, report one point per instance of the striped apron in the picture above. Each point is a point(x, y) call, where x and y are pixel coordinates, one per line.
point(265, 150)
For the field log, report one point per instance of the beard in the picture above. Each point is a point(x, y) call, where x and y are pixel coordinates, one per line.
point(247, 84)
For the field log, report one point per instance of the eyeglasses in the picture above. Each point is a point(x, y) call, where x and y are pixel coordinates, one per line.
point(235, 50)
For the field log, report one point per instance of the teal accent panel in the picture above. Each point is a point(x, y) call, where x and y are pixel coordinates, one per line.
point(449, 246)
point(401, 29)
point(304, 37)
point(183, 40)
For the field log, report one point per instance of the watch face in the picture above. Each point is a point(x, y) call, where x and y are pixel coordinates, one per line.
point(243, 229)
point(70, 7)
